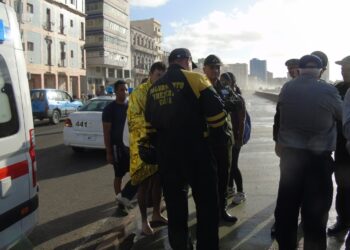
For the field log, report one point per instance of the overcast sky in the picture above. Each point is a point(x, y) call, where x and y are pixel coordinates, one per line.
point(239, 30)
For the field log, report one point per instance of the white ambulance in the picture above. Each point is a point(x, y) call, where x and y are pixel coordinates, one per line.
point(18, 184)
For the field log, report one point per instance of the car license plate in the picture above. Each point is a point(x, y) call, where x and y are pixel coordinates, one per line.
point(81, 124)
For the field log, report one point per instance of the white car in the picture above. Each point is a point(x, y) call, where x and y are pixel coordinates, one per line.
point(83, 128)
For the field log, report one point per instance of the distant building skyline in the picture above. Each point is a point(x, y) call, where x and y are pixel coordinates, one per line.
point(258, 69)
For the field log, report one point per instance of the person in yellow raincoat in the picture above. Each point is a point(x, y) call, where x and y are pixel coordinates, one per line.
point(142, 174)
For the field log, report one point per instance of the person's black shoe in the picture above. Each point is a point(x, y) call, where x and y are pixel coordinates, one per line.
point(225, 216)
point(273, 230)
point(337, 228)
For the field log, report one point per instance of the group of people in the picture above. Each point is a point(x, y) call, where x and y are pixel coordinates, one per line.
point(179, 129)
point(312, 121)
point(184, 129)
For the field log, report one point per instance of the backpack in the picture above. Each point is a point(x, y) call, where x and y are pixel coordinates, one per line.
point(247, 128)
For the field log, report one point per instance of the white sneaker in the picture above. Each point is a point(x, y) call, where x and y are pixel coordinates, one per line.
point(238, 198)
point(124, 201)
point(230, 191)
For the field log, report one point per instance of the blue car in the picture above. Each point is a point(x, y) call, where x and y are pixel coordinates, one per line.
point(53, 104)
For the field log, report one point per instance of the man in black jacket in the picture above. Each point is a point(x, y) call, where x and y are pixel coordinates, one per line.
point(184, 117)
point(223, 151)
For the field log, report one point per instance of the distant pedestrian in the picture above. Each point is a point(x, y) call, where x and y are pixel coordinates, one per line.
point(342, 160)
point(113, 119)
point(307, 135)
point(222, 152)
point(184, 117)
point(101, 91)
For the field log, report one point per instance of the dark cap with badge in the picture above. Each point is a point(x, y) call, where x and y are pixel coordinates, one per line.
point(345, 61)
point(212, 60)
point(306, 60)
point(180, 53)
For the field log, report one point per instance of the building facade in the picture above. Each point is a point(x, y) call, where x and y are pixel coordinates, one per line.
point(107, 43)
point(53, 38)
point(153, 28)
point(258, 69)
point(143, 53)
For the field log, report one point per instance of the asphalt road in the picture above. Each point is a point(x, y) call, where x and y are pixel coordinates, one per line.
point(76, 192)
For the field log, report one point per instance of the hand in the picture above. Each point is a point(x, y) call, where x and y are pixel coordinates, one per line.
point(109, 157)
point(278, 149)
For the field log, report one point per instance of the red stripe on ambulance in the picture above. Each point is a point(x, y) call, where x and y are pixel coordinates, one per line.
point(15, 170)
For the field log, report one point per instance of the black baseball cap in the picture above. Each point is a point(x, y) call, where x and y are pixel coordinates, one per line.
point(212, 60)
point(181, 53)
point(323, 58)
point(292, 62)
point(345, 61)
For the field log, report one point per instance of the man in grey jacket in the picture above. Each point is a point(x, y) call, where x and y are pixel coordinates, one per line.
point(309, 109)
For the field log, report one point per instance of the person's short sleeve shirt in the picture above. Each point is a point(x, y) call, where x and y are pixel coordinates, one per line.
point(115, 114)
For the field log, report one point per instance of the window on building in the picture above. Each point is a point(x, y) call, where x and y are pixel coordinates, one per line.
point(82, 31)
point(111, 73)
point(61, 24)
point(30, 8)
point(98, 69)
point(30, 46)
point(23, 47)
point(126, 73)
point(48, 19)
point(72, 54)
point(71, 23)
point(82, 57)
point(63, 53)
point(71, 1)
point(49, 51)
point(119, 73)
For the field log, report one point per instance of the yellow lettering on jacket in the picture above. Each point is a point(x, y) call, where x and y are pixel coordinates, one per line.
point(162, 94)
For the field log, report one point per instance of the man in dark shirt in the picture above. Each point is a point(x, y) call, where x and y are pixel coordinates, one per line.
point(342, 162)
point(184, 116)
point(222, 152)
point(113, 118)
